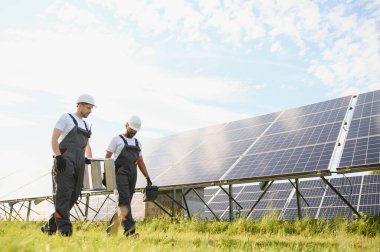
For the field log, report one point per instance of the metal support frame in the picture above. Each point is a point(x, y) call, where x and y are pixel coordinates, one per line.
point(232, 198)
point(175, 201)
point(297, 190)
point(100, 208)
point(341, 196)
point(231, 207)
point(205, 204)
point(174, 209)
point(28, 212)
point(162, 208)
point(10, 212)
point(299, 210)
point(86, 206)
point(258, 200)
point(187, 207)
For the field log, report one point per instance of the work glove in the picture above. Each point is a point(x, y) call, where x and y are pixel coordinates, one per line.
point(60, 163)
point(87, 161)
point(148, 181)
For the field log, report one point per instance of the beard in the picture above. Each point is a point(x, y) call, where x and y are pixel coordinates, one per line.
point(84, 115)
point(130, 135)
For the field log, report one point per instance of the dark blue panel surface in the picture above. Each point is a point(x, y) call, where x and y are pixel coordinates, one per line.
point(335, 212)
point(317, 107)
point(305, 121)
point(369, 97)
point(197, 172)
point(289, 161)
point(373, 210)
point(298, 138)
point(362, 146)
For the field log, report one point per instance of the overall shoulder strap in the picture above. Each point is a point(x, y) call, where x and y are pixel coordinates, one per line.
point(75, 121)
point(125, 141)
point(136, 142)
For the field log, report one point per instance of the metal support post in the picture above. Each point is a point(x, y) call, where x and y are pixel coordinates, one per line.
point(231, 207)
point(294, 186)
point(232, 198)
point(298, 200)
point(174, 212)
point(86, 207)
point(187, 207)
point(28, 212)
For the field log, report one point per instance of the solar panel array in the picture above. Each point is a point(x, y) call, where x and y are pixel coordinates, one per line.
point(363, 140)
point(295, 141)
point(363, 192)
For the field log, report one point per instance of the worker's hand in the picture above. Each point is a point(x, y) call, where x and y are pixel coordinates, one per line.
point(148, 181)
point(60, 163)
point(87, 161)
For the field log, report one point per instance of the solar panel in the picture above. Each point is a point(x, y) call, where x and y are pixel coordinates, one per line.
point(302, 140)
point(216, 153)
point(162, 154)
point(323, 202)
point(295, 141)
point(312, 191)
point(370, 195)
point(333, 206)
point(362, 145)
point(281, 162)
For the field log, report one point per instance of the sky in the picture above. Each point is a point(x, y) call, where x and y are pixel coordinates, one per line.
point(179, 65)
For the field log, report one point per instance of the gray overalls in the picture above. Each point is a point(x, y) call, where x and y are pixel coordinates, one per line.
point(126, 176)
point(69, 183)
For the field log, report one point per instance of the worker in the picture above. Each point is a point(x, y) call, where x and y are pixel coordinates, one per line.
point(70, 145)
point(126, 151)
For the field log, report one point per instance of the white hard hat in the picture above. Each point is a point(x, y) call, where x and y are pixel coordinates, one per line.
point(134, 123)
point(86, 98)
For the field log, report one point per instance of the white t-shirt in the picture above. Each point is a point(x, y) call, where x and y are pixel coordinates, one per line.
point(117, 144)
point(65, 124)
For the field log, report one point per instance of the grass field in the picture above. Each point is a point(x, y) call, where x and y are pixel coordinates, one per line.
point(268, 234)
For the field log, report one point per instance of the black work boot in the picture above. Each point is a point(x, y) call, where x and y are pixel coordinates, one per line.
point(47, 230)
point(131, 233)
point(66, 233)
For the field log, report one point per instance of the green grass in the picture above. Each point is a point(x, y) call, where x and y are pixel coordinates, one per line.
point(268, 234)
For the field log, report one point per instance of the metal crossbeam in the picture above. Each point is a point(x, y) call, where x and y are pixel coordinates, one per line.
point(341, 196)
point(258, 200)
point(205, 204)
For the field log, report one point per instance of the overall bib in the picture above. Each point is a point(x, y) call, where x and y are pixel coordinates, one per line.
point(68, 184)
point(126, 177)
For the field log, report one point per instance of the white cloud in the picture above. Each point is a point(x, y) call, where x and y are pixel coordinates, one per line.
point(276, 47)
point(9, 98)
point(15, 122)
point(113, 68)
point(70, 13)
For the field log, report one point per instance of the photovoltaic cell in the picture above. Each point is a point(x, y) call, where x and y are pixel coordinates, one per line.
point(363, 139)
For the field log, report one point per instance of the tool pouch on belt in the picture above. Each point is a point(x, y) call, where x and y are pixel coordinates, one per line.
point(150, 193)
